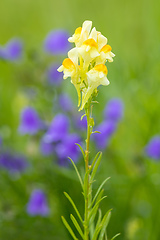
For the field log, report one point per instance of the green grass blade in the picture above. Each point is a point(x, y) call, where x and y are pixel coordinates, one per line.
point(116, 236)
point(69, 228)
point(80, 179)
point(99, 189)
point(77, 226)
point(74, 206)
point(105, 222)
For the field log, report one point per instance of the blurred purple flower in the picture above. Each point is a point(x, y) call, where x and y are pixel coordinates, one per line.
point(58, 129)
point(37, 204)
point(2, 53)
point(152, 149)
point(13, 49)
point(114, 110)
point(56, 42)
point(30, 121)
point(65, 103)
point(106, 129)
point(46, 148)
point(68, 148)
point(54, 77)
point(1, 142)
point(13, 163)
point(80, 124)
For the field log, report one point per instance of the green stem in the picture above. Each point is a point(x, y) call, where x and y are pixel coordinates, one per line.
point(89, 131)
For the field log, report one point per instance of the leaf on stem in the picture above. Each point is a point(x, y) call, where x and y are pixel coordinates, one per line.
point(74, 206)
point(69, 228)
point(78, 174)
point(81, 149)
point(77, 226)
point(95, 167)
point(99, 189)
point(116, 236)
point(83, 116)
point(94, 208)
point(105, 222)
point(94, 161)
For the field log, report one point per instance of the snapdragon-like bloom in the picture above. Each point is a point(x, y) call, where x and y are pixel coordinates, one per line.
point(114, 110)
point(152, 149)
point(37, 204)
point(30, 121)
point(56, 42)
point(85, 64)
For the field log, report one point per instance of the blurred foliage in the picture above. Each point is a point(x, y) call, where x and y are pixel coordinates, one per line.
point(132, 28)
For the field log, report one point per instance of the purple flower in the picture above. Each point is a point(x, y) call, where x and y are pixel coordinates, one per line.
point(57, 42)
point(2, 53)
point(1, 142)
point(54, 77)
point(37, 204)
point(80, 124)
point(152, 149)
point(30, 121)
point(46, 148)
point(13, 50)
point(114, 110)
point(68, 148)
point(106, 129)
point(58, 129)
point(65, 103)
point(13, 163)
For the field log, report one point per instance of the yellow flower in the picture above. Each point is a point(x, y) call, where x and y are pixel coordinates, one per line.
point(96, 76)
point(81, 34)
point(85, 62)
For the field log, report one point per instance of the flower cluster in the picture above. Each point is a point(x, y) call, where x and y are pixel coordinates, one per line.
point(86, 62)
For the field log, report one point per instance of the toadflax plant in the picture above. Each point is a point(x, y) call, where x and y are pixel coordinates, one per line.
point(86, 67)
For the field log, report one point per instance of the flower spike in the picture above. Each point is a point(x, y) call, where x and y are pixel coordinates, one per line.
point(86, 62)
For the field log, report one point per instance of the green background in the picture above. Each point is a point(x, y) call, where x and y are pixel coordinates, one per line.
point(133, 31)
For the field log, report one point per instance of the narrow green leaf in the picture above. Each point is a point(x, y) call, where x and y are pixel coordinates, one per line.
point(94, 208)
point(80, 179)
point(105, 222)
point(77, 226)
point(96, 132)
point(99, 218)
point(96, 166)
point(116, 236)
point(83, 116)
point(105, 235)
point(94, 237)
point(100, 225)
point(81, 149)
point(69, 228)
point(85, 184)
point(99, 189)
point(74, 206)
point(94, 161)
